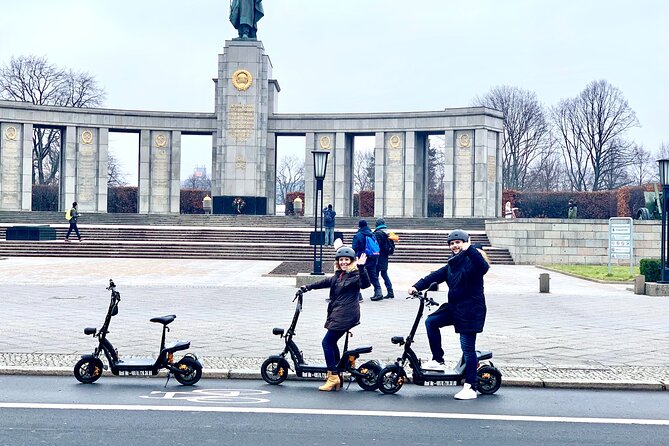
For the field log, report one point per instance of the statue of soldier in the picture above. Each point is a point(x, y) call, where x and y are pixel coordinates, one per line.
point(244, 16)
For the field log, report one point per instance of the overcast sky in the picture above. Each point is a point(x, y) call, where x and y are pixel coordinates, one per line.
point(358, 55)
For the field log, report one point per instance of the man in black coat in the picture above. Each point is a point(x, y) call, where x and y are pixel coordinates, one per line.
point(386, 248)
point(465, 310)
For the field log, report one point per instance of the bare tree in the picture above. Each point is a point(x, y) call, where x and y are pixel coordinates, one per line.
point(591, 130)
point(197, 180)
point(548, 172)
point(643, 168)
point(289, 177)
point(33, 79)
point(525, 131)
point(435, 163)
point(663, 150)
point(363, 171)
point(115, 177)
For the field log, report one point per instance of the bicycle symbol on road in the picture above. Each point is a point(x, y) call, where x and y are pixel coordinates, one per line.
point(229, 396)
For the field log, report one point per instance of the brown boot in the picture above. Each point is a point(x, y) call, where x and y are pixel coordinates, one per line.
point(333, 382)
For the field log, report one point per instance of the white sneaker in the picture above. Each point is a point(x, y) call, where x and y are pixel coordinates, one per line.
point(433, 365)
point(467, 393)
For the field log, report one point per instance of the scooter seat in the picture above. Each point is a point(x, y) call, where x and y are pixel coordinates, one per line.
point(483, 354)
point(359, 351)
point(165, 320)
point(178, 345)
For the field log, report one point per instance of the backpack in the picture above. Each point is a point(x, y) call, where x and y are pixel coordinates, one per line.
point(328, 217)
point(371, 246)
point(68, 215)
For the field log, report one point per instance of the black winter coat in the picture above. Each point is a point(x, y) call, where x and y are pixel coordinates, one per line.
point(382, 238)
point(344, 308)
point(464, 276)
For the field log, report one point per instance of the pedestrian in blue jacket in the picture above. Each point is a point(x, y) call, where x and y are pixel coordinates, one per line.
point(359, 245)
point(465, 310)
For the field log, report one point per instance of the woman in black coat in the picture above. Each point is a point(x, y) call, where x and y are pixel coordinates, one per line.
point(465, 310)
point(344, 309)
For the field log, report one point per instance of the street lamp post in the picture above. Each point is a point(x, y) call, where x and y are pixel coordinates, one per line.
point(320, 164)
point(664, 180)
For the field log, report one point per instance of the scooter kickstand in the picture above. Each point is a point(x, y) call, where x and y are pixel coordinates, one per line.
point(169, 375)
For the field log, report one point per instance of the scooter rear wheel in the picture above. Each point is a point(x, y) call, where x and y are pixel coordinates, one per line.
point(274, 370)
point(190, 371)
point(390, 380)
point(371, 371)
point(490, 379)
point(88, 370)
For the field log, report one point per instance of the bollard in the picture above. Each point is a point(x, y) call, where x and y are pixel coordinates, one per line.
point(544, 285)
point(640, 285)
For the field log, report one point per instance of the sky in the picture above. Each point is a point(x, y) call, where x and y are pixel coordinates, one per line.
point(357, 55)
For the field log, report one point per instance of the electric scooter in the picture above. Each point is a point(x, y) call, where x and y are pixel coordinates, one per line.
point(275, 368)
point(187, 371)
point(394, 376)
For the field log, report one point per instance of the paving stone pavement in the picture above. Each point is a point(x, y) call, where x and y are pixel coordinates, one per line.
point(582, 334)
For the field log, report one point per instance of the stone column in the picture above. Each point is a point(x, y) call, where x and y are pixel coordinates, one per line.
point(242, 109)
point(13, 184)
point(89, 178)
point(159, 168)
point(392, 203)
point(480, 161)
point(103, 160)
point(271, 173)
point(27, 168)
point(413, 166)
point(379, 174)
point(463, 161)
point(323, 142)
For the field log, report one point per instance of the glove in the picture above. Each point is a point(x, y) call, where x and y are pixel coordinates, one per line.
point(304, 288)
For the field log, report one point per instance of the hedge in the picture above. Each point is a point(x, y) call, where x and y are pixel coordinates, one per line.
point(651, 269)
point(623, 202)
point(290, 197)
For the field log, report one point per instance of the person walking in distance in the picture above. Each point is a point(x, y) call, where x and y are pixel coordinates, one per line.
point(343, 310)
point(364, 242)
point(329, 223)
point(74, 216)
point(386, 248)
point(465, 310)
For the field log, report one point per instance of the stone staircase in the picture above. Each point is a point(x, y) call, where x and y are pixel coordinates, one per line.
point(226, 237)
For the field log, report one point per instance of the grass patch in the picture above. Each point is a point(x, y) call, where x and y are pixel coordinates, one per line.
point(599, 272)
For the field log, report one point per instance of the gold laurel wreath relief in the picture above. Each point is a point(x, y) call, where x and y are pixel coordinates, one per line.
point(242, 80)
point(464, 140)
point(395, 141)
point(10, 133)
point(325, 142)
point(86, 137)
point(161, 140)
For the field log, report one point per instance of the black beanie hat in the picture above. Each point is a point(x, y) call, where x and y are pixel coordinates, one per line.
point(362, 223)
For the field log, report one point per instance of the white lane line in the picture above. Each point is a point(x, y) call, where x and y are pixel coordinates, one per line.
point(341, 412)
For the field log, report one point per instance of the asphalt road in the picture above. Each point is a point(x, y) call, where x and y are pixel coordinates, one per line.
point(130, 411)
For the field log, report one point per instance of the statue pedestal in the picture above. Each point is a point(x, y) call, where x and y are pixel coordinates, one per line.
point(243, 96)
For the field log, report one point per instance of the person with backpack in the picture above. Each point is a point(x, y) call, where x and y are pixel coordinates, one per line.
point(73, 215)
point(329, 223)
point(364, 242)
point(386, 249)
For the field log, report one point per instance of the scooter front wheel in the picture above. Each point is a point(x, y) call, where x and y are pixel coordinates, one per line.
point(490, 379)
point(190, 371)
point(274, 370)
point(391, 380)
point(88, 370)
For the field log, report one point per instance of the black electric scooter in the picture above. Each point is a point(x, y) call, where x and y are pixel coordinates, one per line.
point(187, 371)
point(394, 376)
point(275, 368)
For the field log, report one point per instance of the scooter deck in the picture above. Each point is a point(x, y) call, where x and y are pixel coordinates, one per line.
point(141, 364)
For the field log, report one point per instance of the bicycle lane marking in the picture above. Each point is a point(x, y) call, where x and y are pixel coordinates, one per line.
point(214, 396)
point(337, 412)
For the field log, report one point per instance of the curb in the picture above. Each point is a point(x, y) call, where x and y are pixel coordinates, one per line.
point(547, 383)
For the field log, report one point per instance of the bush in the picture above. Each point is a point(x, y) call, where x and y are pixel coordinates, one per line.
point(366, 204)
point(191, 201)
point(651, 269)
point(45, 197)
point(122, 200)
point(435, 204)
